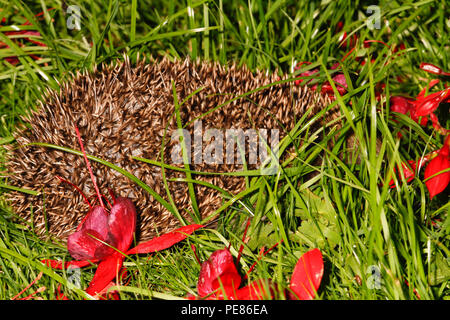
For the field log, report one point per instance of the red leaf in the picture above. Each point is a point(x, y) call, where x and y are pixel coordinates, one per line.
point(400, 104)
point(415, 117)
point(304, 74)
point(122, 223)
point(407, 172)
point(218, 272)
point(107, 270)
point(429, 104)
point(340, 83)
point(405, 105)
point(113, 295)
point(115, 229)
point(84, 244)
point(307, 275)
point(430, 85)
point(431, 68)
point(438, 183)
point(165, 241)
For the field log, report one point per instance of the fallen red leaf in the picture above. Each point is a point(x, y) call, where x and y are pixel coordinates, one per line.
point(86, 243)
point(428, 104)
point(431, 68)
point(165, 241)
point(219, 279)
point(408, 173)
point(401, 104)
point(307, 275)
point(107, 270)
point(122, 223)
point(305, 73)
point(438, 183)
point(219, 273)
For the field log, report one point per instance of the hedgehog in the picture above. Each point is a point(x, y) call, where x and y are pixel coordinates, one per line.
point(126, 111)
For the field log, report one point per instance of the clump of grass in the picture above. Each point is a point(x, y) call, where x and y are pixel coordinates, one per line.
point(366, 231)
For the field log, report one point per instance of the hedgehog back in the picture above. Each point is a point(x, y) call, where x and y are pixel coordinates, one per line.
point(123, 111)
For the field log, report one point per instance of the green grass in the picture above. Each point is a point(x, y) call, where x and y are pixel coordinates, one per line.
point(346, 208)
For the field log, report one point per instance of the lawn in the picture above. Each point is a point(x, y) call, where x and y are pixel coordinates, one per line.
point(379, 239)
